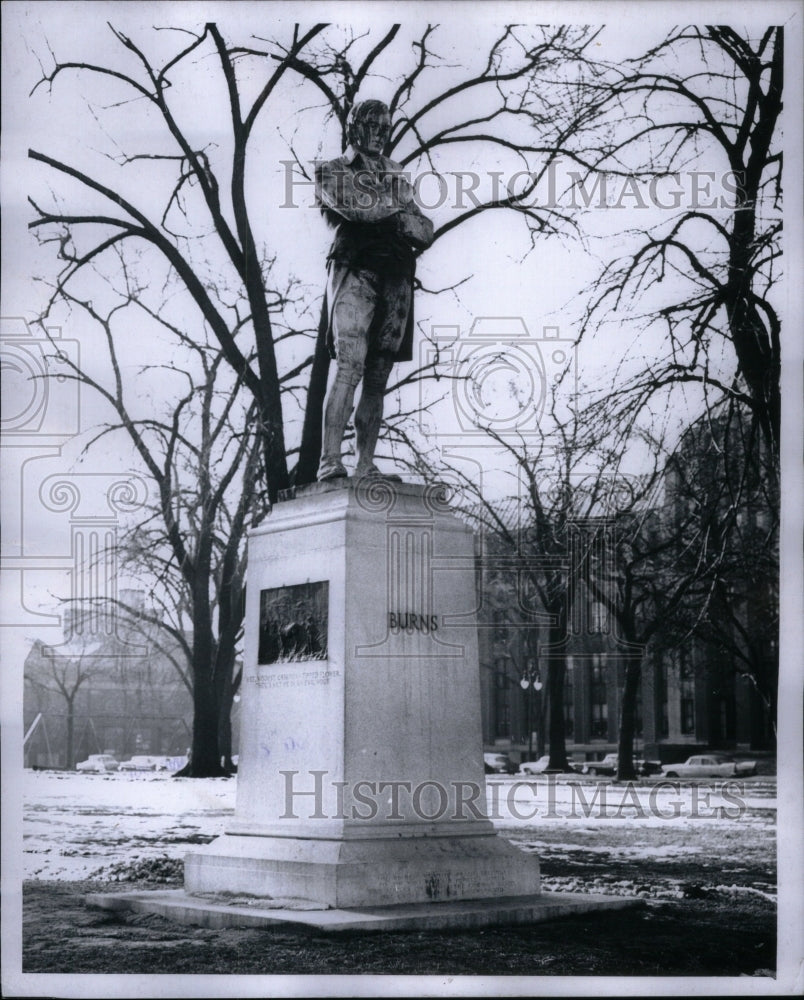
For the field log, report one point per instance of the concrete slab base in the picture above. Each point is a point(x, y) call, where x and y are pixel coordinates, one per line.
point(221, 910)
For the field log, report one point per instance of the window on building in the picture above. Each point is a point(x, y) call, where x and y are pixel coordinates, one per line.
point(599, 728)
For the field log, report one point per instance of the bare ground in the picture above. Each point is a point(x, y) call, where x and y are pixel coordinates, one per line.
point(708, 889)
point(698, 921)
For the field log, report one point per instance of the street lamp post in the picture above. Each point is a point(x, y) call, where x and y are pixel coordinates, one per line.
point(531, 681)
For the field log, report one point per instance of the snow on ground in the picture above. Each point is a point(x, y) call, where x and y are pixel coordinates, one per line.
point(77, 825)
point(517, 803)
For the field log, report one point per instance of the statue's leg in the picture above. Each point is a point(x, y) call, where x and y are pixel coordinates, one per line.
point(352, 313)
point(368, 418)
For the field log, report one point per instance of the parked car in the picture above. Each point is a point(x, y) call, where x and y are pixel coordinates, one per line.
point(542, 765)
point(606, 766)
point(648, 767)
point(535, 766)
point(98, 762)
point(144, 763)
point(498, 763)
point(609, 764)
point(711, 765)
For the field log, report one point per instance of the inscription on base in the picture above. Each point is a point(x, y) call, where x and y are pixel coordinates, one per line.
point(310, 678)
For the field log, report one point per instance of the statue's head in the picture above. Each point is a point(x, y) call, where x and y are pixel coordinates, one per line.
point(369, 126)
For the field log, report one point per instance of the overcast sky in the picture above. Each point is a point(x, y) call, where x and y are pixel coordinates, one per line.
point(542, 286)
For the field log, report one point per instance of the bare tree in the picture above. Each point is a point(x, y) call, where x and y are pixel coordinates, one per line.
point(696, 558)
point(188, 176)
point(701, 110)
point(723, 477)
point(582, 534)
point(203, 458)
point(641, 587)
point(566, 478)
point(197, 206)
point(63, 673)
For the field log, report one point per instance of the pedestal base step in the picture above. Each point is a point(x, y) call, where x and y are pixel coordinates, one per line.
point(350, 874)
point(178, 905)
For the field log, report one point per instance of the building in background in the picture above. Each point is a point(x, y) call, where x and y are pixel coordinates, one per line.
point(708, 677)
point(107, 689)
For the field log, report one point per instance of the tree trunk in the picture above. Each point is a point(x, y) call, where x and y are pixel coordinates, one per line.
point(225, 731)
point(625, 744)
point(226, 700)
point(223, 694)
point(555, 687)
point(70, 748)
point(769, 697)
point(756, 343)
point(540, 717)
point(310, 449)
point(205, 760)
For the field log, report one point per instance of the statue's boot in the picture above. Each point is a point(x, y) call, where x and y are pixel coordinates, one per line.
point(329, 469)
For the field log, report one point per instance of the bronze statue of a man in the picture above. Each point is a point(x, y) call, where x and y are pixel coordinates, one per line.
point(378, 230)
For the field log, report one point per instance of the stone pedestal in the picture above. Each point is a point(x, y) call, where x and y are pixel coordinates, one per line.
point(360, 777)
